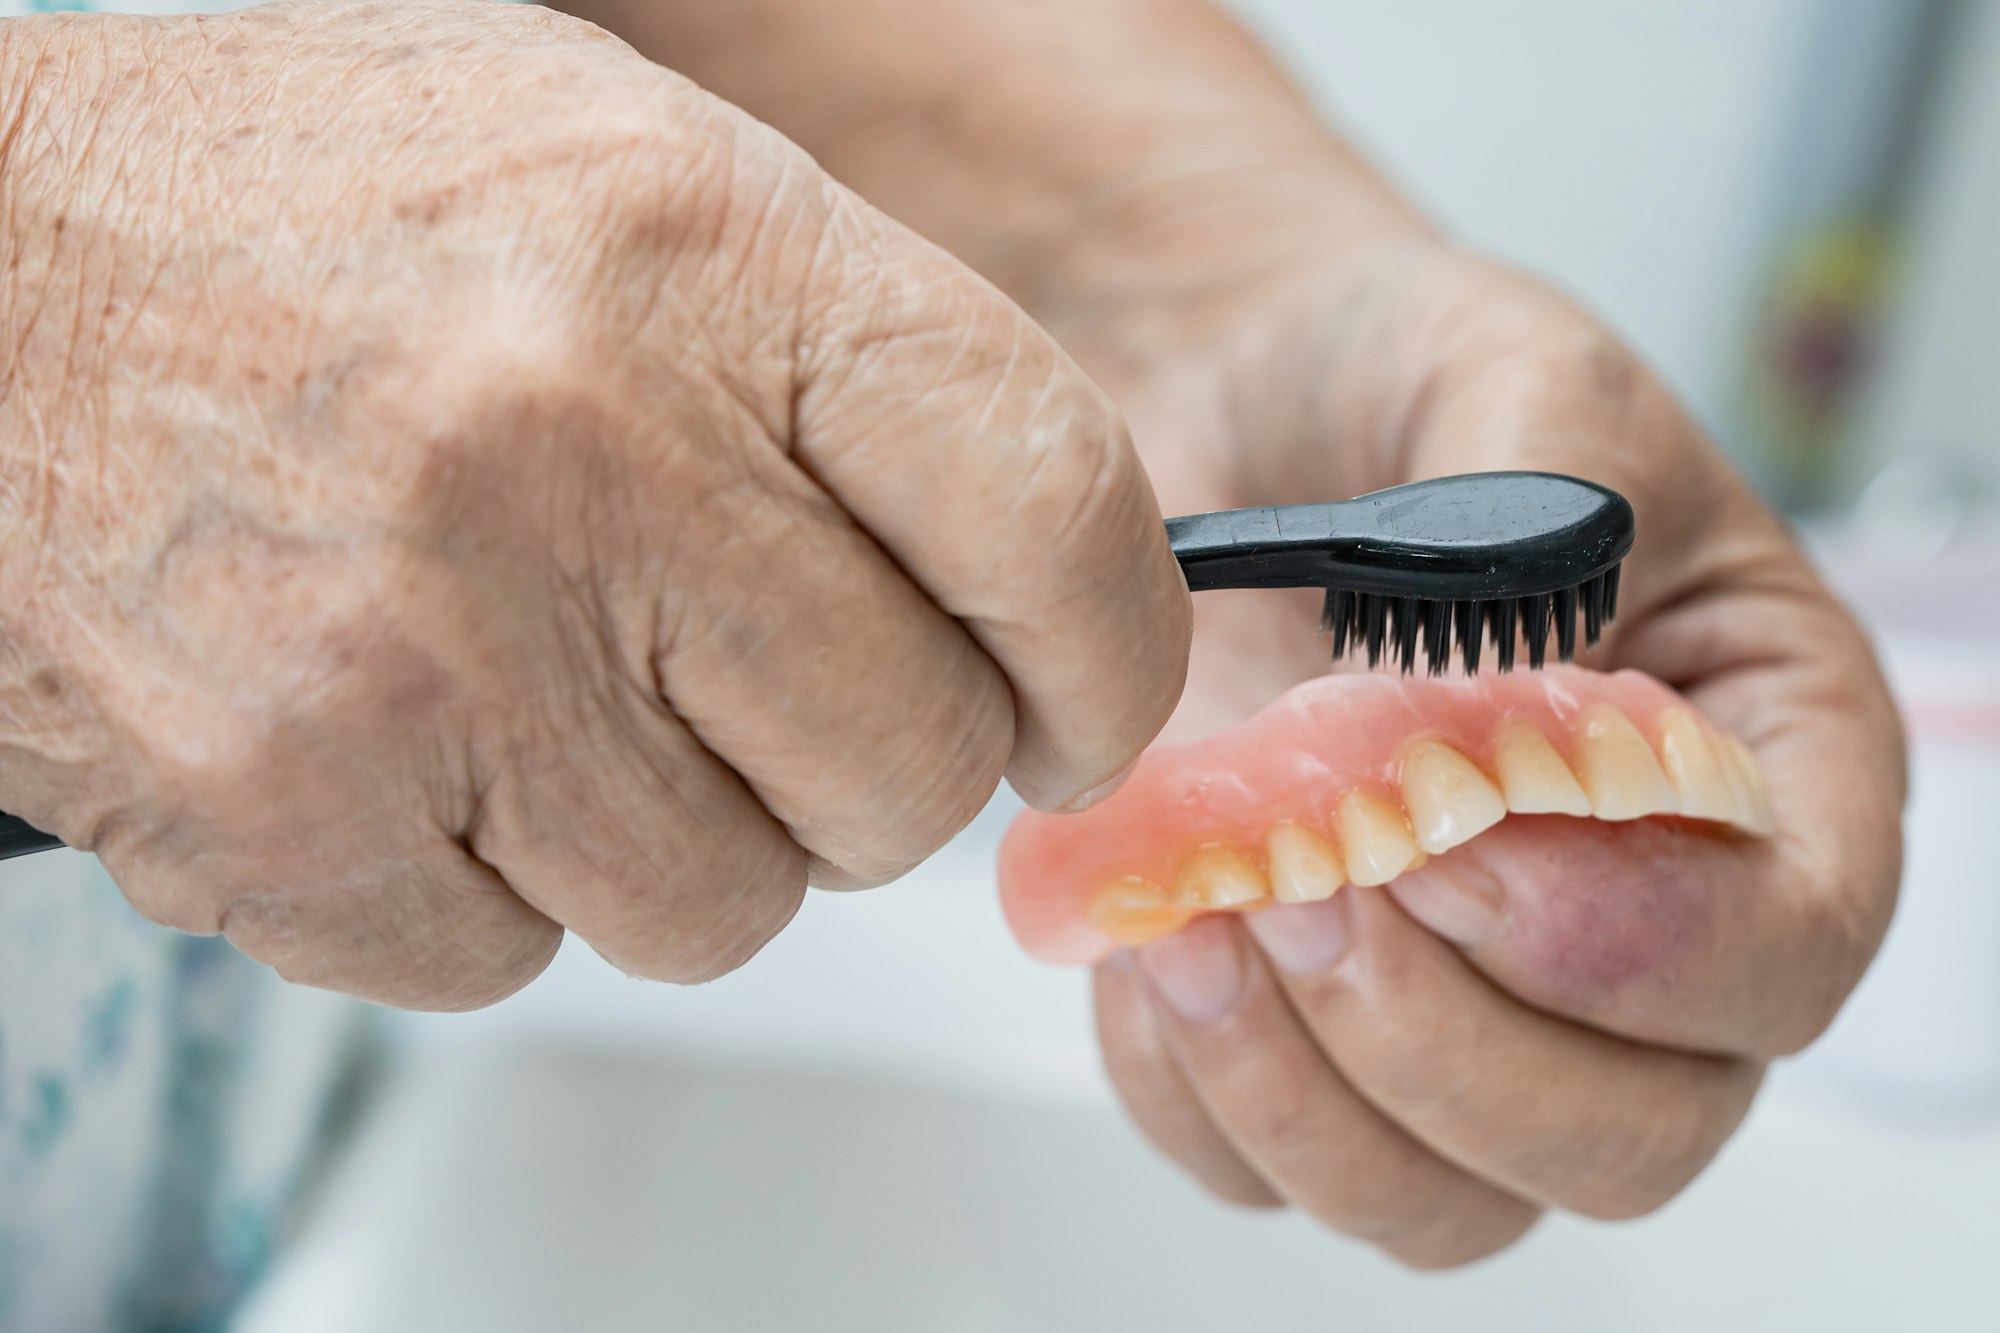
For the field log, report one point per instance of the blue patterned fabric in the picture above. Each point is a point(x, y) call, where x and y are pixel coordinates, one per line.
point(159, 1098)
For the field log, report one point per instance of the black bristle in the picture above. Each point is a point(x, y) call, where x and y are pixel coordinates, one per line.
point(1593, 611)
point(1564, 605)
point(1408, 622)
point(1470, 631)
point(1375, 616)
point(1339, 619)
point(1535, 628)
point(1395, 628)
point(1437, 637)
point(1500, 615)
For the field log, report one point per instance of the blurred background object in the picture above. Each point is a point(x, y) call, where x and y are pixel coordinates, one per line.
point(1788, 205)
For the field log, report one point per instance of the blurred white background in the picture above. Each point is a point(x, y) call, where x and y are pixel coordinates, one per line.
point(892, 1122)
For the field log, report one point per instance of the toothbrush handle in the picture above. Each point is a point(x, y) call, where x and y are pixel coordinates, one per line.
point(1269, 547)
point(18, 837)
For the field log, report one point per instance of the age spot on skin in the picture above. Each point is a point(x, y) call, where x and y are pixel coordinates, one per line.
point(1358, 779)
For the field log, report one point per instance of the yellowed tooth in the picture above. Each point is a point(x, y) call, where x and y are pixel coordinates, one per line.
point(1304, 866)
point(1218, 878)
point(1618, 770)
point(1376, 838)
point(1701, 781)
point(1135, 911)
point(1533, 777)
point(1752, 797)
point(1450, 801)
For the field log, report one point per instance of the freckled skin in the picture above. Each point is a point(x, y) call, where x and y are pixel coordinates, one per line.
point(460, 481)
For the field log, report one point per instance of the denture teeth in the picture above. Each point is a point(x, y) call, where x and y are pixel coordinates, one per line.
point(1376, 838)
point(1753, 799)
point(1618, 770)
point(1304, 866)
point(1450, 801)
point(1701, 780)
point(1135, 911)
point(1533, 777)
point(1217, 878)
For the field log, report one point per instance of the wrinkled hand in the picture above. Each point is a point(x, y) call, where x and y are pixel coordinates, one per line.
point(462, 482)
point(1430, 1065)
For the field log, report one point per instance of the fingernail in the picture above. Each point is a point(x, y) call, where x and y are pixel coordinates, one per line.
point(1197, 972)
point(1303, 938)
point(1076, 805)
point(1459, 902)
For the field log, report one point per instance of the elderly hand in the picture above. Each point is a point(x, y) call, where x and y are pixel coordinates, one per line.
point(462, 481)
point(1429, 1065)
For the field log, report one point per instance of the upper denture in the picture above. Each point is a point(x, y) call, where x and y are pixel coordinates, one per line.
point(1355, 779)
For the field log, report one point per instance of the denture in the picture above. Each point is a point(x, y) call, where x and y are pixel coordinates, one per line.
point(1354, 779)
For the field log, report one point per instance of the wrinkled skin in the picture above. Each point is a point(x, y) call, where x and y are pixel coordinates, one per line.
point(528, 533)
point(1431, 1065)
point(462, 482)
point(1505, 1030)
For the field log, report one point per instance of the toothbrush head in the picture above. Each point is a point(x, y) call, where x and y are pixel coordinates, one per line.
point(1433, 568)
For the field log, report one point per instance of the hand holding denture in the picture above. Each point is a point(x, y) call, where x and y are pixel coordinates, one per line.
point(1428, 956)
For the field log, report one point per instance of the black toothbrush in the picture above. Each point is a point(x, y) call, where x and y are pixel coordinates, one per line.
point(1511, 555)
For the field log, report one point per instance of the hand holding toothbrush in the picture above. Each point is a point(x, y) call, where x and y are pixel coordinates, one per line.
point(1429, 1065)
point(463, 482)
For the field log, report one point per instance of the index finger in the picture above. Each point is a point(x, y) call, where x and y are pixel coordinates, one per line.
point(1004, 484)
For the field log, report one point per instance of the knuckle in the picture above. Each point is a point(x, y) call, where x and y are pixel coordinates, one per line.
point(739, 901)
point(1081, 486)
point(412, 944)
point(1842, 929)
point(1270, 1103)
point(1638, 1170)
point(1451, 1242)
point(265, 924)
point(1238, 1189)
point(175, 901)
point(476, 978)
point(918, 794)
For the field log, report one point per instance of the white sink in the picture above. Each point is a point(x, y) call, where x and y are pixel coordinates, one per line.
point(515, 1186)
point(892, 1122)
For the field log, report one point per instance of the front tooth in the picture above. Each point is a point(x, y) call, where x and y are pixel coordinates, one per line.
point(1753, 799)
point(1376, 839)
point(1533, 776)
point(1217, 878)
point(1304, 866)
point(1618, 770)
point(1449, 799)
point(1135, 911)
point(1696, 769)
